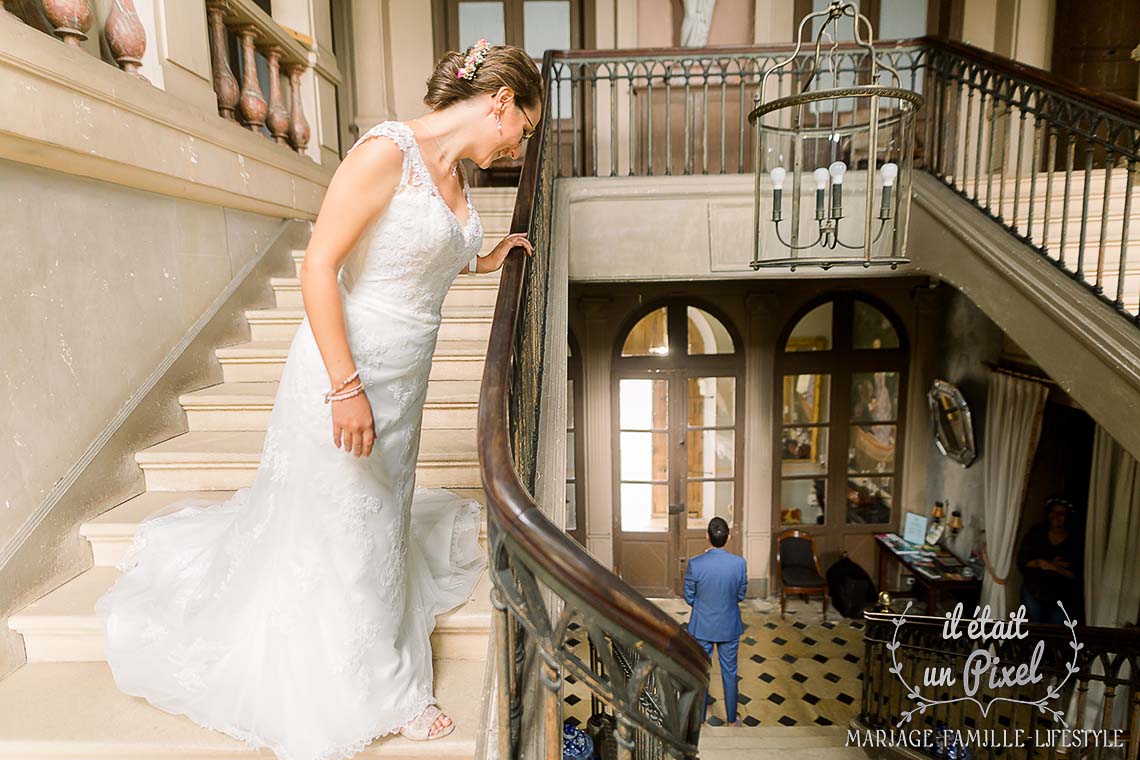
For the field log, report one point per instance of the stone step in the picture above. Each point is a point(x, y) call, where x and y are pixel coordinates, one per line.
point(460, 323)
point(62, 626)
point(111, 533)
point(221, 460)
point(451, 404)
point(262, 361)
point(477, 290)
point(73, 711)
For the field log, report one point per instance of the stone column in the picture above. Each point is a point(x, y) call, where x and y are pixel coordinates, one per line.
point(597, 427)
point(277, 118)
point(252, 102)
point(299, 131)
point(126, 37)
point(70, 19)
point(225, 83)
point(757, 429)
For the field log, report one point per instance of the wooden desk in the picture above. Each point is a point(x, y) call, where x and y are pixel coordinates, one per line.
point(922, 562)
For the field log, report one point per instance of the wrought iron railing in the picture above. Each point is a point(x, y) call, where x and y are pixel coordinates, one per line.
point(647, 675)
point(683, 111)
point(1102, 693)
point(1052, 162)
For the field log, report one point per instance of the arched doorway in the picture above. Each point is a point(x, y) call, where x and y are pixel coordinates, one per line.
point(841, 386)
point(677, 397)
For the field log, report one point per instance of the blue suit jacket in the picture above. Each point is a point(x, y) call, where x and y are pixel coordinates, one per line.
point(715, 583)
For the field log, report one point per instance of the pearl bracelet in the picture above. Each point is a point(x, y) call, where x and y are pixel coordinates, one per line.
point(347, 394)
point(330, 393)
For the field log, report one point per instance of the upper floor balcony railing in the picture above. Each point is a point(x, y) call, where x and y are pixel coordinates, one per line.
point(286, 59)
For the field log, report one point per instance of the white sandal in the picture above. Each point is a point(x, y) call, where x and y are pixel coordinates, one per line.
point(419, 728)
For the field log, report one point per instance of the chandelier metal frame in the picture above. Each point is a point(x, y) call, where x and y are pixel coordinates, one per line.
point(893, 211)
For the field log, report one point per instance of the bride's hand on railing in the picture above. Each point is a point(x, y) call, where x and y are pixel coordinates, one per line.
point(499, 254)
point(352, 424)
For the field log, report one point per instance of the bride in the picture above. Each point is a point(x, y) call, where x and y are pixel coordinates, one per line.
point(297, 614)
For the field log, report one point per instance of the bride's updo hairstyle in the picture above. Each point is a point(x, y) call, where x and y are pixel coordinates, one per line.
point(501, 65)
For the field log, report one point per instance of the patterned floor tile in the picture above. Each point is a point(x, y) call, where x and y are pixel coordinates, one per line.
point(792, 671)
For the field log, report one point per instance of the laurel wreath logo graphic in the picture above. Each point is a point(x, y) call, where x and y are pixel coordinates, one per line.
point(922, 702)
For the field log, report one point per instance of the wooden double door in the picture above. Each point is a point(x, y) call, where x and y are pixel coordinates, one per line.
point(677, 446)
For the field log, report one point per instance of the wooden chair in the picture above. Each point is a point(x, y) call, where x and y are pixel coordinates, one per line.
point(799, 568)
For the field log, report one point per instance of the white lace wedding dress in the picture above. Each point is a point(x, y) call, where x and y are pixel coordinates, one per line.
point(297, 614)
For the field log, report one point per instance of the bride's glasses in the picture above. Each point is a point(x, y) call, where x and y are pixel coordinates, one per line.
point(526, 135)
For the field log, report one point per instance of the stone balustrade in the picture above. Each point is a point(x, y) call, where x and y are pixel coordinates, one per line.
point(249, 54)
point(286, 56)
point(71, 22)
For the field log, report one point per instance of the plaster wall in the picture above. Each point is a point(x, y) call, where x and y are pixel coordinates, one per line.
point(695, 227)
point(87, 259)
point(967, 339)
point(102, 284)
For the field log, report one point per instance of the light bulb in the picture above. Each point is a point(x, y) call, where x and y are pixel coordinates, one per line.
point(837, 170)
point(821, 176)
point(777, 176)
point(889, 171)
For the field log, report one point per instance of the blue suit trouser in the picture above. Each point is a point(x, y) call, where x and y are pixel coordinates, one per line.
point(727, 652)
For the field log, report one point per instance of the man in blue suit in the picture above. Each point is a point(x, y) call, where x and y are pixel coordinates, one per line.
point(715, 583)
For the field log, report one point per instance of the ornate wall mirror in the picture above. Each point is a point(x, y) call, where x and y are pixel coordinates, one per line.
point(950, 418)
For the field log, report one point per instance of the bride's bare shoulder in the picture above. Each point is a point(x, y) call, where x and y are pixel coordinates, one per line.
point(372, 164)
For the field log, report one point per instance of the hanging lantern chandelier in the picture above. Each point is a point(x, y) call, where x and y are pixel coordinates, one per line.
point(834, 160)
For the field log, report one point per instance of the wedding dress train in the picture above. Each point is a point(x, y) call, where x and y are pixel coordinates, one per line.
point(297, 614)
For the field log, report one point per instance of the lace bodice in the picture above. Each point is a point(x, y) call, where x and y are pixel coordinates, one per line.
point(408, 257)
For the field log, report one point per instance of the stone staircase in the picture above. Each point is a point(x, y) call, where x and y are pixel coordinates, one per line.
point(64, 704)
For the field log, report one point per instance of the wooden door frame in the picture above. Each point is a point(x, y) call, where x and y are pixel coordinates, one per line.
point(840, 363)
point(574, 371)
point(676, 368)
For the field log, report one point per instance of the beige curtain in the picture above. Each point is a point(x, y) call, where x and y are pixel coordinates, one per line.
point(1014, 409)
point(1112, 561)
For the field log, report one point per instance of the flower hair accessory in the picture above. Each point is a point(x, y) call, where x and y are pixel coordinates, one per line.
point(475, 55)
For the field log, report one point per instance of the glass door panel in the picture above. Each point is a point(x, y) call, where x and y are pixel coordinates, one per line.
point(481, 19)
point(710, 450)
point(803, 448)
point(643, 455)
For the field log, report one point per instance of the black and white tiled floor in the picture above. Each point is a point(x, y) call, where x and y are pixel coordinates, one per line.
point(796, 671)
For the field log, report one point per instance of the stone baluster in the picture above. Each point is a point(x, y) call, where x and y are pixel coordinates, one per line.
point(126, 37)
point(278, 118)
point(225, 84)
point(253, 106)
point(70, 19)
point(298, 126)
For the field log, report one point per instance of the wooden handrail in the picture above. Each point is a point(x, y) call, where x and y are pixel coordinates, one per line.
point(559, 555)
